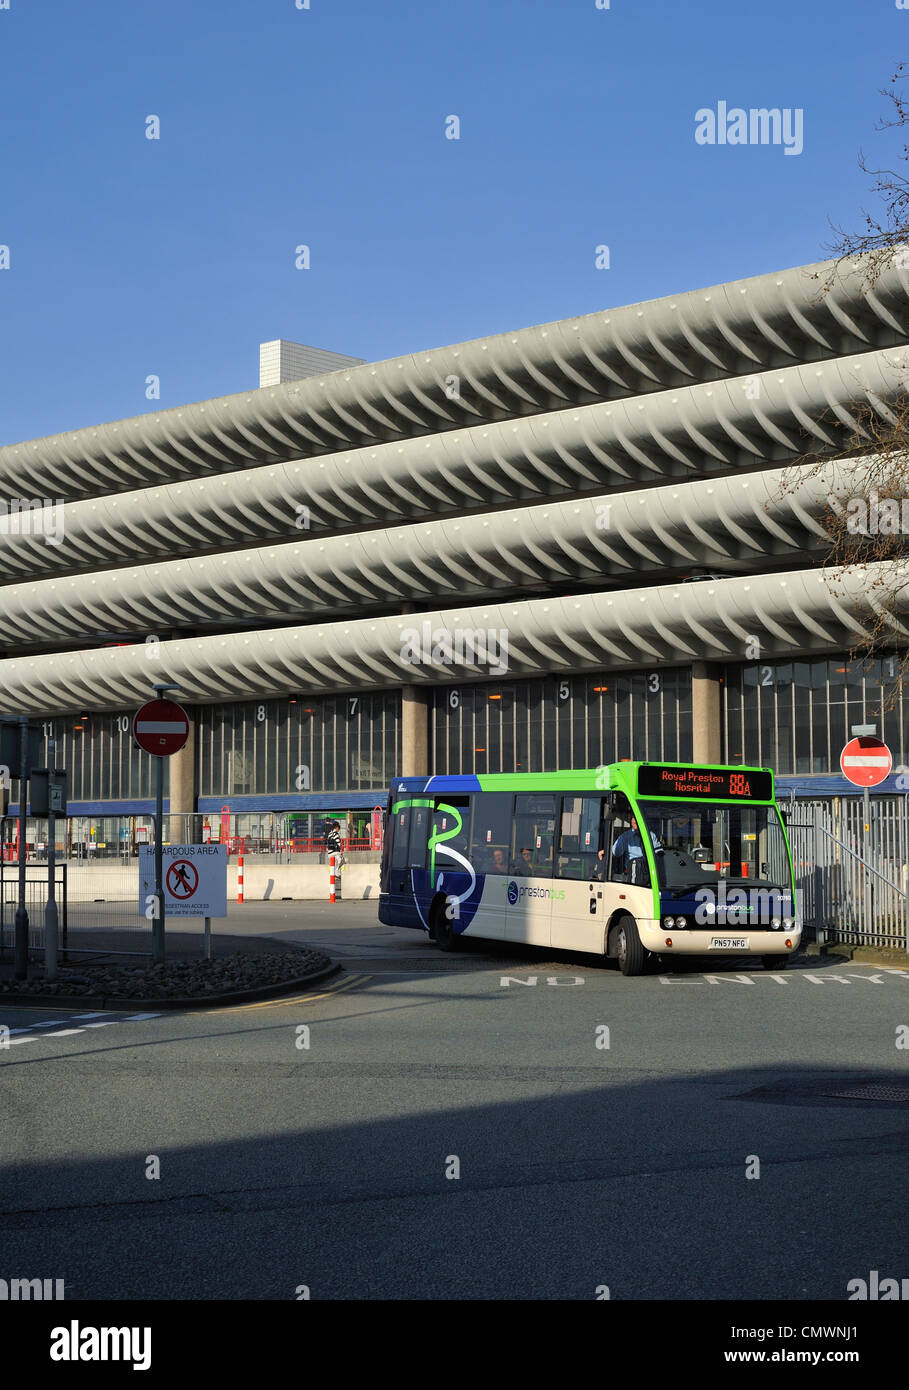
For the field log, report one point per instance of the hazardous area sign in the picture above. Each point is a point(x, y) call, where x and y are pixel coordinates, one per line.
point(195, 879)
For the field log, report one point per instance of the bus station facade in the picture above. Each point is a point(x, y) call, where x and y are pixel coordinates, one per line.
point(564, 546)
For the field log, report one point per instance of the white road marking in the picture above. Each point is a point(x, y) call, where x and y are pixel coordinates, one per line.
point(31, 1035)
point(48, 1023)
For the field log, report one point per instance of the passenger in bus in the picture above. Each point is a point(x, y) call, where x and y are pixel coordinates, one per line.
point(523, 864)
point(498, 864)
point(599, 866)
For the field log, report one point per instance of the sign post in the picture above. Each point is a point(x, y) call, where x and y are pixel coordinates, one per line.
point(19, 753)
point(21, 948)
point(195, 882)
point(161, 728)
point(51, 915)
point(865, 762)
point(48, 798)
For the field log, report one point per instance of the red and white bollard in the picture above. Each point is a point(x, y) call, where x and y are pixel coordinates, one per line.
point(240, 877)
point(331, 879)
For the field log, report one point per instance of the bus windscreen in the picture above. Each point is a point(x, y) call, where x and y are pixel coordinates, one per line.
point(715, 783)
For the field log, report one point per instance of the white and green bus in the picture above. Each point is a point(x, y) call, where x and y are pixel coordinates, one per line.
point(633, 861)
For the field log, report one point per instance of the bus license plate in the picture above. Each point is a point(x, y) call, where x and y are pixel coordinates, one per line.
point(729, 943)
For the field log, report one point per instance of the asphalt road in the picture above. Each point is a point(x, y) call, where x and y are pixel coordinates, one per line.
point(455, 1131)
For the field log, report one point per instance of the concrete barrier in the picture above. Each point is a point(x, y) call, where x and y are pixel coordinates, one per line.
point(262, 882)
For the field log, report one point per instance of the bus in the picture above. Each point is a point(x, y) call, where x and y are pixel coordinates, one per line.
point(635, 861)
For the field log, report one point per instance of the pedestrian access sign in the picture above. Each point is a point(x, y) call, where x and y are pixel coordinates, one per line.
point(195, 879)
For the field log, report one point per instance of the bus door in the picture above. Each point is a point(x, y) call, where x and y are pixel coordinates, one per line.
point(450, 870)
point(628, 885)
point(407, 877)
point(578, 884)
point(529, 884)
point(490, 847)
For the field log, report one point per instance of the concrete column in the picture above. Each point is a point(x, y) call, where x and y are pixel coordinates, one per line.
point(182, 784)
point(414, 731)
point(706, 692)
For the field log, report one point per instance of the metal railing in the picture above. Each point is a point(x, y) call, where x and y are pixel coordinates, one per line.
point(851, 885)
point(36, 885)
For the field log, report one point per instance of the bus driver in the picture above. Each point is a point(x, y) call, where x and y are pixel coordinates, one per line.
point(628, 854)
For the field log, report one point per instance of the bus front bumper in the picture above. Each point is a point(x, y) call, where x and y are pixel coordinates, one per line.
point(739, 942)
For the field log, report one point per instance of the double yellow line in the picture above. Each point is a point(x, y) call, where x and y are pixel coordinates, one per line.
point(349, 982)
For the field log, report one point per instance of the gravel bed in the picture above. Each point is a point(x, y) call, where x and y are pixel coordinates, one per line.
point(181, 979)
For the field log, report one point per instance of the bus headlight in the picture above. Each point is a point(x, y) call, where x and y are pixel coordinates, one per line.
point(681, 921)
point(789, 923)
point(669, 923)
point(776, 923)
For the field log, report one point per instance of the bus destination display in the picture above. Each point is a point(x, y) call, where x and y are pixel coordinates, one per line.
point(709, 783)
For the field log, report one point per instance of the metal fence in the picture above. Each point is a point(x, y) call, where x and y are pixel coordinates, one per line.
point(263, 837)
point(96, 894)
point(36, 886)
point(851, 885)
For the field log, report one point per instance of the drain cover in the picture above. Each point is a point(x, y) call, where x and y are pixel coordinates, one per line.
point(874, 1091)
point(832, 1090)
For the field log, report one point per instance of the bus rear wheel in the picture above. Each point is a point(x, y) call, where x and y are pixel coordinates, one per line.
point(440, 928)
point(629, 950)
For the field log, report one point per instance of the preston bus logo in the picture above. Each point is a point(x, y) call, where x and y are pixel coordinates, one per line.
point(512, 892)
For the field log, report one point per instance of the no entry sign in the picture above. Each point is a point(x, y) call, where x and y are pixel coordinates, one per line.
point(866, 761)
point(161, 727)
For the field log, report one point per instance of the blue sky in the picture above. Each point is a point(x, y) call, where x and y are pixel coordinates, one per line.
point(283, 126)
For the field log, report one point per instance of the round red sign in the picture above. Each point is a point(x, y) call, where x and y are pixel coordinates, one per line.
point(866, 761)
point(161, 727)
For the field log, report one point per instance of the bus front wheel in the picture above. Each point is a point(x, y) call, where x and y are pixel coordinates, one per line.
point(440, 929)
point(629, 950)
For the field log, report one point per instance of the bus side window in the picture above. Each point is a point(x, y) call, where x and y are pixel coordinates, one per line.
point(578, 837)
point(447, 812)
point(490, 833)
